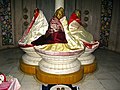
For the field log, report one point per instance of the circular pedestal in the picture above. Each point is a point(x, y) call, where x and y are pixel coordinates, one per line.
point(30, 57)
point(90, 68)
point(88, 61)
point(48, 78)
point(29, 61)
point(26, 68)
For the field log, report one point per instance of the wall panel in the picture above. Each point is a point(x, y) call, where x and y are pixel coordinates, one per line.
point(114, 39)
point(47, 6)
point(6, 29)
point(69, 7)
point(93, 23)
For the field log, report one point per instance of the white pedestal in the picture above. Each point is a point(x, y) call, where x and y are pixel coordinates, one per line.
point(30, 57)
point(29, 60)
point(59, 64)
point(87, 59)
point(59, 67)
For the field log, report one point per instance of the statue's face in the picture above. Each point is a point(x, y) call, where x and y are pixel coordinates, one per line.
point(78, 13)
point(59, 13)
point(36, 10)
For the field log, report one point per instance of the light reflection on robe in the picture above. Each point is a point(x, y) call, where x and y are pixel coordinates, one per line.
point(37, 28)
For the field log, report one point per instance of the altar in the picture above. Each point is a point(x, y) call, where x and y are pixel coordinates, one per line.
point(58, 51)
point(35, 66)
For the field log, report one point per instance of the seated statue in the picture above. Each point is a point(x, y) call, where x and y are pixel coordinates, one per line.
point(37, 28)
point(55, 32)
point(58, 37)
point(77, 30)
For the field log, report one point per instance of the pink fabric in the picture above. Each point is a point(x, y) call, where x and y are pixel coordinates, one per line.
point(5, 85)
point(13, 84)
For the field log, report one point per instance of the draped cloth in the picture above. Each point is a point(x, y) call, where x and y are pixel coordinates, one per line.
point(79, 33)
point(58, 37)
point(12, 84)
point(54, 34)
point(73, 42)
point(37, 28)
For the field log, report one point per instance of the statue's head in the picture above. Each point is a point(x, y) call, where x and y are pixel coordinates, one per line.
point(36, 11)
point(59, 13)
point(78, 13)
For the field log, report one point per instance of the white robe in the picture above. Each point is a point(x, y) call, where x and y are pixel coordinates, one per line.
point(38, 29)
point(73, 42)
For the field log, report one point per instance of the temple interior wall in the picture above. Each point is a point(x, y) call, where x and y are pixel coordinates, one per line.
point(22, 13)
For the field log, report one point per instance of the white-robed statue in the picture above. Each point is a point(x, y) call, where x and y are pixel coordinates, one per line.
point(37, 28)
point(58, 37)
point(79, 33)
point(59, 52)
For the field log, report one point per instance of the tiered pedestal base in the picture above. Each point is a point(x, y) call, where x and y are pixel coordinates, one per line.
point(28, 69)
point(90, 68)
point(59, 79)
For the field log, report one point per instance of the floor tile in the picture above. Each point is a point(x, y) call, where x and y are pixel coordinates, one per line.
point(110, 84)
point(106, 77)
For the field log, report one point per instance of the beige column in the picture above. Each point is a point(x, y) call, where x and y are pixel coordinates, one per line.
point(58, 4)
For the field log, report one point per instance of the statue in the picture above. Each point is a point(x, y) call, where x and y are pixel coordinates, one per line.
point(37, 28)
point(78, 31)
point(59, 52)
point(57, 33)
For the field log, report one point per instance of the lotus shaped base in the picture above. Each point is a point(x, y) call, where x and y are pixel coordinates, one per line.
point(59, 67)
point(29, 60)
point(30, 57)
point(87, 59)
